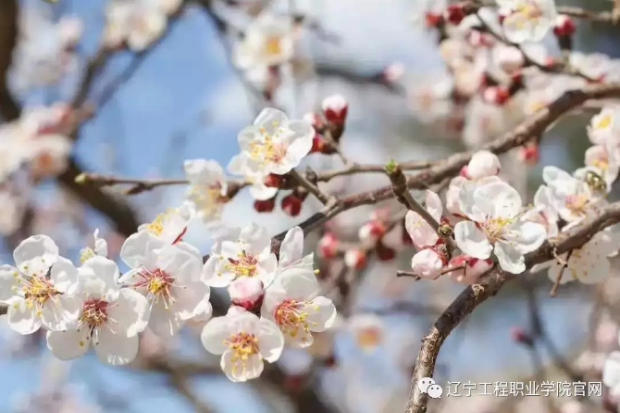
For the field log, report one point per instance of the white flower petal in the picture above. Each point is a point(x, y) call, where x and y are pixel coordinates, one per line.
point(70, 344)
point(164, 322)
point(611, 370)
point(526, 236)
point(192, 300)
point(64, 275)
point(510, 258)
point(214, 334)
point(292, 247)
point(213, 275)
point(240, 371)
point(104, 269)
point(22, 318)
point(271, 119)
point(8, 280)
point(35, 255)
point(115, 349)
point(298, 283)
point(321, 314)
point(130, 312)
point(255, 238)
point(61, 312)
point(472, 240)
point(270, 340)
point(139, 249)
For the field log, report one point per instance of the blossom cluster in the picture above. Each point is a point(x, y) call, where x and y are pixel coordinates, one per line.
point(273, 300)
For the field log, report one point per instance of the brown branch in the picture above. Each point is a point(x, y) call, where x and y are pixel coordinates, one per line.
point(9, 108)
point(473, 296)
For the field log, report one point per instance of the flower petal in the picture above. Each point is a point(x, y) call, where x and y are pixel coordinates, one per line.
point(70, 344)
point(115, 349)
point(8, 279)
point(255, 238)
point(192, 300)
point(270, 340)
point(213, 275)
point(510, 258)
point(35, 255)
point(104, 269)
point(240, 371)
point(61, 312)
point(292, 247)
point(214, 334)
point(64, 275)
point(321, 313)
point(526, 236)
point(130, 312)
point(164, 322)
point(298, 283)
point(611, 370)
point(21, 317)
point(472, 240)
point(271, 119)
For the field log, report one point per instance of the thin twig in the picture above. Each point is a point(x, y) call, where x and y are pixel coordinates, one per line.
point(313, 189)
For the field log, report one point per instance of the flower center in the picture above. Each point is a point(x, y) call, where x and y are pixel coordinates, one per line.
point(158, 286)
point(86, 254)
point(273, 46)
point(577, 203)
point(242, 345)
point(603, 122)
point(157, 226)
point(494, 227)
point(94, 313)
point(37, 290)
point(244, 266)
point(291, 318)
point(267, 150)
point(529, 10)
point(369, 337)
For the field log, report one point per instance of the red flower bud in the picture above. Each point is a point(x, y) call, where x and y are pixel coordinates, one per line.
point(328, 246)
point(291, 204)
point(335, 109)
point(455, 13)
point(265, 206)
point(564, 26)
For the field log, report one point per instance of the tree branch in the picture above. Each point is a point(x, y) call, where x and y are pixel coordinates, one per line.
point(474, 295)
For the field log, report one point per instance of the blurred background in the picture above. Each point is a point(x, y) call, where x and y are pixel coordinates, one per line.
point(183, 98)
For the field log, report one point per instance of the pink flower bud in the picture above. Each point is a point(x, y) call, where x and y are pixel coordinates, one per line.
point(265, 206)
point(335, 109)
point(496, 95)
point(371, 232)
point(564, 26)
point(291, 204)
point(355, 258)
point(246, 292)
point(483, 164)
point(328, 246)
point(427, 263)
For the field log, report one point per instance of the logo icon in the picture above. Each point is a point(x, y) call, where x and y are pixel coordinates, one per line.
point(428, 385)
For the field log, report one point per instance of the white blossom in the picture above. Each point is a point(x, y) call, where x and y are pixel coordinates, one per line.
point(268, 41)
point(574, 198)
point(544, 211)
point(208, 188)
point(494, 209)
point(527, 20)
point(171, 225)
point(273, 144)
point(170, 277)
point(244, 341)
point(33, 298)
point(110, 318)
point(605, 126)
point(241, 253)
point(294, 304)
point(139, 23)
point(292, 249)
point(100, 248)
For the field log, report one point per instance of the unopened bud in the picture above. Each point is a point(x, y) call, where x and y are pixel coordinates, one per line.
point(291, 204)
point(384, 253)
point(355, 258)
point(433, 19)
point(272, 181)
point(246, 292)
point(315, 120)
point(328, 246)
point(455, 13)
point(265, 206)
point(371, 232)
point(335, 109)
point(564, 26)
point(496, 95)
